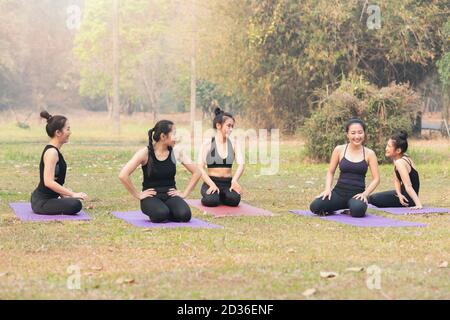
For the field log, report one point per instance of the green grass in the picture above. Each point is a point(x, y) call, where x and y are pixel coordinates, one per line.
point(250, 258)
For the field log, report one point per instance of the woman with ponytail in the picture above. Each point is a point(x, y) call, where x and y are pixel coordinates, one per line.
point(218, 154)
point(406, 177)
point(160, 199)
point(50, 197)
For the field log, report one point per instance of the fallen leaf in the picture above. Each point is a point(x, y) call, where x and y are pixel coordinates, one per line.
point(124, 280)
point(328, 275)
point(444, 264)
point(291, 251)
point(355, 269)
point(3, 274)
point(97, 268)
point(309, 292)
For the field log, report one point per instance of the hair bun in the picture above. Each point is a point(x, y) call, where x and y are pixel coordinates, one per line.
point(403, 134)
point(218, 111)
point(44, 114)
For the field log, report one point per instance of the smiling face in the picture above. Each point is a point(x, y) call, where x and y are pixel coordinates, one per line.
point(355, 134)
point(226, 128)
point(63, 134)
point(391, 150)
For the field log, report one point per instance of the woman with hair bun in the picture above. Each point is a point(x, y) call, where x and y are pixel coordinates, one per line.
point(219, 154)
point(406, 177)
point(50, 197)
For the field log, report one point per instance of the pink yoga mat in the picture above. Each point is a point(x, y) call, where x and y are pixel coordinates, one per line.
point(24, 212)
point(138, 219)
point(367, 221)
point(221, 211)
point(406, 210)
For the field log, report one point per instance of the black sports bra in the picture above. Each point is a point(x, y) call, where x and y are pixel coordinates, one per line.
point(213, 159)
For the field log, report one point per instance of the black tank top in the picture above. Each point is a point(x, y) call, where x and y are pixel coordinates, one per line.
point(60, 174)
point(213, 159)
point(413, 176)
point(353, 173)
point(162, 173)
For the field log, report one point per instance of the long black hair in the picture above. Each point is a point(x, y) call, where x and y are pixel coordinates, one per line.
point(355, 121)
point(400, 140)
point(54, 123)
point(154, 134)
point(221, 116)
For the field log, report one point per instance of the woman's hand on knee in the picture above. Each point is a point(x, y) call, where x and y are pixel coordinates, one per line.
point(325, 194)
point(149, 193)
point(80, 195)
point(212, 189)
point(236, 187)
point(361, 196)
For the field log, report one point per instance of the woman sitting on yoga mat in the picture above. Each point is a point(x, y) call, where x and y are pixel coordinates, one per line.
point(160, 199)
point(406, 177)
point(50, 197)
point(218, 154)
point(353, 160)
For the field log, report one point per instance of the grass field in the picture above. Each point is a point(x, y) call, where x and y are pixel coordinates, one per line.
point(250, 258)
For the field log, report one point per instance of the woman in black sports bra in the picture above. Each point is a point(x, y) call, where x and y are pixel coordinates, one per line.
point(50, 197)
point(406, 177)
point(219, 154)
point(160, 199)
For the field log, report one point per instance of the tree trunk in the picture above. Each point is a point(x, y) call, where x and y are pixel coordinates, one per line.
point(116, 97)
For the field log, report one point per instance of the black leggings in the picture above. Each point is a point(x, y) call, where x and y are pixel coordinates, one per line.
point(225, 196)
point(340, 199)
point(388, 199)
point(54, 206)
point(162, 207)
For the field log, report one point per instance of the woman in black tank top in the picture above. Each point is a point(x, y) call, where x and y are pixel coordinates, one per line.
point(218, 155)
point(50, 197)
point(160, 199)
point(353, 160)
point(406, 177)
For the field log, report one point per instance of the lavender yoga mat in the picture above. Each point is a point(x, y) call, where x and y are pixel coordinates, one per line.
point(138, 219)
point(368, 221)
point(243, 209)
point(406, 210)
point(24, 212)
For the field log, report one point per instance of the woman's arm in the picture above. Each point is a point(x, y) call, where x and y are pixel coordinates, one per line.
point(374, 170)
point(192, 168)
point(201, 162)
point(404, 175)
point(50, 160)
point(139, 158)
point(334, 161)
point(239, 161)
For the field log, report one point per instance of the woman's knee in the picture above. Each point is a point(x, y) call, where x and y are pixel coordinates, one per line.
point(357, 208)
point(182, 214)
point(74, 207)
point(156, 214)
point(316, 206)
point(211, 200)
point(232, 199)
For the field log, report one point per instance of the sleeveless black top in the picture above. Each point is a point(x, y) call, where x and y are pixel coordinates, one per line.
point(413, 176)
point(162, 173)
point(60, 174)
point(353, 173)
point(213, 159)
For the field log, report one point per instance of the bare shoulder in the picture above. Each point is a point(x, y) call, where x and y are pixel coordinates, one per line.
point(51, 153)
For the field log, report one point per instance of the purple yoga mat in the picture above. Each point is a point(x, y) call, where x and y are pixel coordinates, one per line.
point(138, 219)
point(368, 221)
point(406, 210)
point(24, 212)
point(243, 209)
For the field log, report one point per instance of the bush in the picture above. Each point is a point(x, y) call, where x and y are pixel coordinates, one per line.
point(384, 111)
